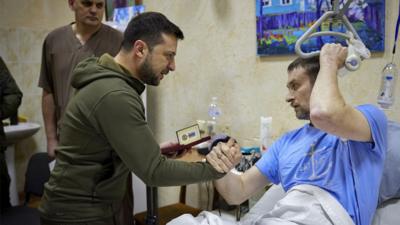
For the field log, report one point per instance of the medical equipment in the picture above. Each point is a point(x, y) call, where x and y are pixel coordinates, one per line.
point(356, 50)
point(387, 89)
point(390, 74)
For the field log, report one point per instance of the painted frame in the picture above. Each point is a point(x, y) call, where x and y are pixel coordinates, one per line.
point(122, 10)
point(281, 22)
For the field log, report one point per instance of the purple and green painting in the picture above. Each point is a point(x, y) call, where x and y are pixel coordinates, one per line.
point(281, 22)
point(113, 5)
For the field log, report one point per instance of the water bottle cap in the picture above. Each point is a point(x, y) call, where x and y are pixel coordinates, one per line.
point(388, 77)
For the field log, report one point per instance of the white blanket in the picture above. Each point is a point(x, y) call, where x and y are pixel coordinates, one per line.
point(204, 218)
point(303, 204)
point(307, 205)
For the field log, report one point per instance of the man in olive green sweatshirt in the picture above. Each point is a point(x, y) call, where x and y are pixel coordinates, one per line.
point(104, 134)
point(10, 99)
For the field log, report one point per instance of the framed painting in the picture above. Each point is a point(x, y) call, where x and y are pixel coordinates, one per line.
point(280, 23)
point(121, 11)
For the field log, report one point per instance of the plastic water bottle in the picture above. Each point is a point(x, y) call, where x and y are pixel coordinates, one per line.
point(388, 86)
point(213, 112)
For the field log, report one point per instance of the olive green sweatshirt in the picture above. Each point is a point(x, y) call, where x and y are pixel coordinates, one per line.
point(10, 98)
point(104, 135)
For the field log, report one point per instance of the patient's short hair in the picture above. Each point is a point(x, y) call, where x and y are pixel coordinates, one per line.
point(310, 65)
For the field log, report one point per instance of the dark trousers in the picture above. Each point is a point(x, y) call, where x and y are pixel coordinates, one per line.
point(4, 182)
point(124, 215)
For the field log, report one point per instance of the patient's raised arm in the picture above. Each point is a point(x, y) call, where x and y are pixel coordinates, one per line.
point(328, 109)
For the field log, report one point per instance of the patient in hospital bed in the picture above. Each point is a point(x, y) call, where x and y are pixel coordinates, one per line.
point(328, 171)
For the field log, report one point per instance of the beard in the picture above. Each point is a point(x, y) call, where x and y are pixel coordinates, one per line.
point(302, 114)
point(147, 74)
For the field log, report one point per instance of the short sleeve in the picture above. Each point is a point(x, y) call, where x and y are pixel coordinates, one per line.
point(269, 163)
point(45, 78)
point(378, 125)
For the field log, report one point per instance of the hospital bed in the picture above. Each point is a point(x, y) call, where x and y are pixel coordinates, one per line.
point(388, 211)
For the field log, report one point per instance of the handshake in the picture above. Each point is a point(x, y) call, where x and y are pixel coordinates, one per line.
point(224, 153)
point(224, 156)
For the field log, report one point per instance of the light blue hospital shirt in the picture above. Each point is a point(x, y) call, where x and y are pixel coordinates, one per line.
point(350, 170)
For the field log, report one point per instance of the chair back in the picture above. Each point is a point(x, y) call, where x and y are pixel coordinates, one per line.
point(37, 173)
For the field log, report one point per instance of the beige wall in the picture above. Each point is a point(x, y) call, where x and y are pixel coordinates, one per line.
point(217, 58)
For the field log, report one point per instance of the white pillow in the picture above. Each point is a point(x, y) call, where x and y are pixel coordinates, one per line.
point(390, 184)
point(387, 213)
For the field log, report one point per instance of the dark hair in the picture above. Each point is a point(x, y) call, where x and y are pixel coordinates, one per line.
point(310, 65)
point(148, 27)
